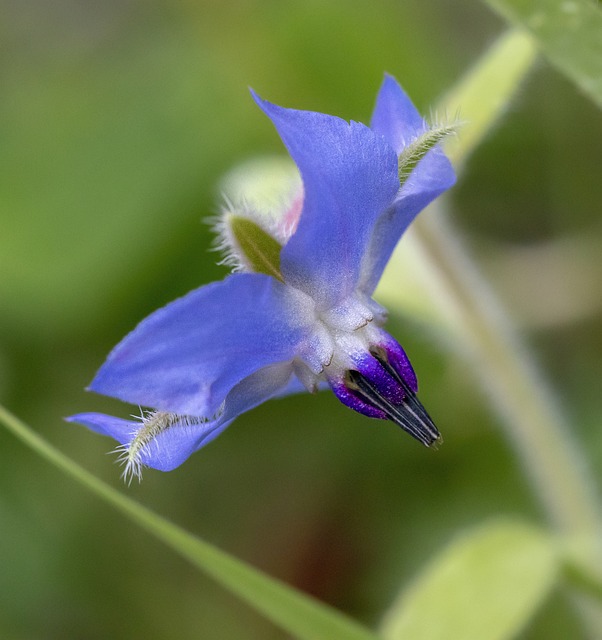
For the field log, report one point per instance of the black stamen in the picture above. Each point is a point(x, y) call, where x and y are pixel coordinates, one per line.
point(410, 415)
point(410, 397)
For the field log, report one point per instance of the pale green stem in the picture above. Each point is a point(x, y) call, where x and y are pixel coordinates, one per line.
point(531, 417)
point(464, 302)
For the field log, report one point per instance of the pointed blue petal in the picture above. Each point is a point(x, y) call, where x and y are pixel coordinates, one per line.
point(396, 118)
point(117, 428)
point(173, 445)
point(349, 177)
point(186, 357)
point(394, 115)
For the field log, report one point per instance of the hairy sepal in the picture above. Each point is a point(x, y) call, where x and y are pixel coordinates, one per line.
point(413, 153)
point(260, 252)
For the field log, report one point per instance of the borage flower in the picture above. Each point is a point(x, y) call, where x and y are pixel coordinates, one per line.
point(299, 312)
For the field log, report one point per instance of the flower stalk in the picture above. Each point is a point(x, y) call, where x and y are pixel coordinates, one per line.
point(535, 424)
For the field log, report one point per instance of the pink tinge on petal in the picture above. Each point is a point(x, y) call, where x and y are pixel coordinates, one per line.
point(291, 216)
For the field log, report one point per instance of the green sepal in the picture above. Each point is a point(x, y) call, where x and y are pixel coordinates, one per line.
point(260, 251)
point(413, 153)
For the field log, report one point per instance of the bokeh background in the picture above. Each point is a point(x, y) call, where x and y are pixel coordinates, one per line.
point(117, 120)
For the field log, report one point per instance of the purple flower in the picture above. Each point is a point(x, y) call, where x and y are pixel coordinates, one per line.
point(299, 312)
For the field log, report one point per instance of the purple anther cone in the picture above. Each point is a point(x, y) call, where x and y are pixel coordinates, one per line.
point(382, 384)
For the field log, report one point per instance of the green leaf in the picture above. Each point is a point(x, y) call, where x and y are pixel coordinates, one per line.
point(485, 586)
point(569, 33)
point(295, 612)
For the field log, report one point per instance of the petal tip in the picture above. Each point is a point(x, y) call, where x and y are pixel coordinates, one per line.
point(267, 107)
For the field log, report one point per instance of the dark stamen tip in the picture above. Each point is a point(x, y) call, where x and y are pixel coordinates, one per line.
point(410, 415)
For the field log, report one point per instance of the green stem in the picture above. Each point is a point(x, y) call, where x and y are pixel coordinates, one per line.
point(532, 418)
point(535, 424)
point(483, 332)
point(458, 294)
point(293, 611)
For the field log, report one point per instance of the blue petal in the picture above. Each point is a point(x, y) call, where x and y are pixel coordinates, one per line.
point(394, 115)
point(117, 428)
point(396, 118)
point(186, 357)
point(349, 178)
point(172, 446)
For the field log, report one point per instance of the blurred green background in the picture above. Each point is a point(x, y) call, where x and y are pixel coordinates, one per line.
point(117, 120)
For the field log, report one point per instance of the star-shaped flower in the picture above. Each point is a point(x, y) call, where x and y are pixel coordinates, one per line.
point(299, 312)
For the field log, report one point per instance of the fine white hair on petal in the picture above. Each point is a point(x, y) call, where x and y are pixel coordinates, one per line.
point(440, 120)
point(132, 464)
point(225, 241)
point(152, 424)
